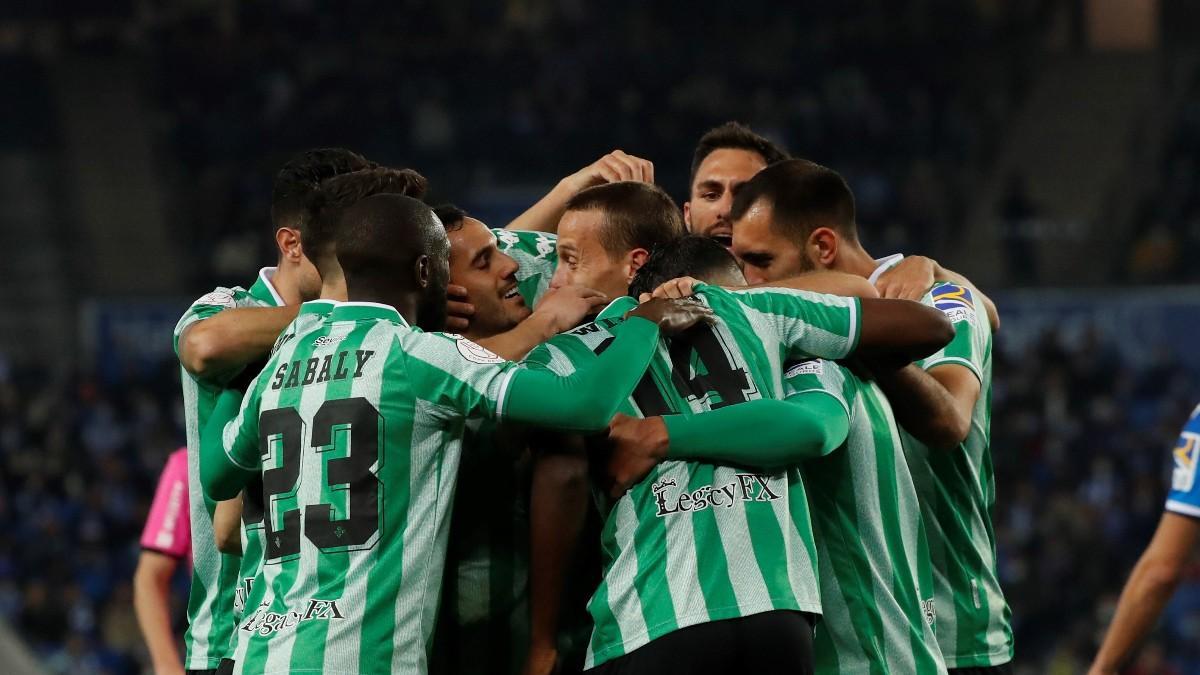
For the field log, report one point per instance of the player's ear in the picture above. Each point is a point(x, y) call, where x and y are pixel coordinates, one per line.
point(287, 239)
point(422, 271)
point(634, 261)
point(823, 246)
point(687, 215)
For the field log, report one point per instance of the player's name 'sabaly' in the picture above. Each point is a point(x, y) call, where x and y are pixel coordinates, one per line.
point(316, 370)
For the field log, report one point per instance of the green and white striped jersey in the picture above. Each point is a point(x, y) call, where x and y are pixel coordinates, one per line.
point(484, 618)
point(214, 574)
point(537, 255)
point(957, 490)
point(359, 471)
point(697, 542)
point(311, 314)
point(484, 622)
point(873, 559)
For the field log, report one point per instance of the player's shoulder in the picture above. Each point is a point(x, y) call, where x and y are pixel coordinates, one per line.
point(525, 240)
point(1185, 497)
point(956, 301)
point(438, 347)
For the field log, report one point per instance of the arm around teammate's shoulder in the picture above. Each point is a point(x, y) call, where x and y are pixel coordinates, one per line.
point(232, 338)
point(1150, 586)
point(901, 331)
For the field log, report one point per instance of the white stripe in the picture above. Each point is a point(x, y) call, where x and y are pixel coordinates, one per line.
point(952, 360)
point(852, 332)
point(1182, 508)
point(884, 264)
point(267, 274)
point(502, 396)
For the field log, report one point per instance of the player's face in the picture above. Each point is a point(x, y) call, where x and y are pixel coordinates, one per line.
point(490, 278)
point(717, 180)
point(766, 255)
point(582, 260)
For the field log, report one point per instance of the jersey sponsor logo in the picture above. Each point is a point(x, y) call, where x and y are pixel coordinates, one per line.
point(929, 614)
point(241, 594)
point(748, 487)
point(315, 371)
point(218, 299)
point(1187, 455)
point(477, 353)
point(265, 624)
point(956, 302)
point(326, 340)
point(813, 367)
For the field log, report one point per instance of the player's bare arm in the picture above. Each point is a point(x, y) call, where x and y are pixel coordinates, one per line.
point(833, 283)
point(560, 310)
point(232, 338)
point(557, 511)
point(227, 519)
point(151, 594)
point(1153, 581)
point(614, 167)
point(936, 405)
point(912, 277)
point(901, 331)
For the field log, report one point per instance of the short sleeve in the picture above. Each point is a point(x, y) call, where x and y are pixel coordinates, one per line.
point(204, 307)
point(809, 324)
point(819, 375)
point(1184, 497)
point(240, 435)
point(967, 348)
point(451, 371)
point(536, 254)
point(168, 528)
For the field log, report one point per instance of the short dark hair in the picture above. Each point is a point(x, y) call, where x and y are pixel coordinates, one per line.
point(688, 256)
point(302, 175)
point(336, 194)
point(383, 234)
point(451, 216)
point(737, 136)
point(636, 215)
point(803, 196)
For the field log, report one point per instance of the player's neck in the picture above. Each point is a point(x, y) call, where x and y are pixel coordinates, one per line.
point(406, 302)
point(852, 258)
point(333, 288)
point(287, 283)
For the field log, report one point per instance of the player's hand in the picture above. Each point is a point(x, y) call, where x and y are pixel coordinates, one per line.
point(673, 316)
point(682, 287)
point(614, 167)
point(458, 310)
point(911, 279)
point(637, 446)
point(566, 307)
point(540, 660)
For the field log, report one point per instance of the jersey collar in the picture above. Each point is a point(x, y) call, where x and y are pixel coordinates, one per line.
point(362, 311)
point(884, 264)
point(617, 308)
point(264, 290)
point(319, 306)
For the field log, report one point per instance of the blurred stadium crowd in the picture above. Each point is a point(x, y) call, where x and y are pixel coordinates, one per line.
point(904, 99)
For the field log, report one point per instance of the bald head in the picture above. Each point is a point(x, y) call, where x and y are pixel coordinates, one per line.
point(392, 249)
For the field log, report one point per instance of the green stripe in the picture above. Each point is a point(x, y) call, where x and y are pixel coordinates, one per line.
point(379, 622)
point(712, 565)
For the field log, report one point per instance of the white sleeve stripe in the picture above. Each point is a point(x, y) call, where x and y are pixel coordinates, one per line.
point(852, 333)
point(239, 464)
point(828, 393)
point(1183, 509)
point(501, 399)
point(953, 360)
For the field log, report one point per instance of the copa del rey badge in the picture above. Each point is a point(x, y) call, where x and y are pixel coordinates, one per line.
point(476, 353)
